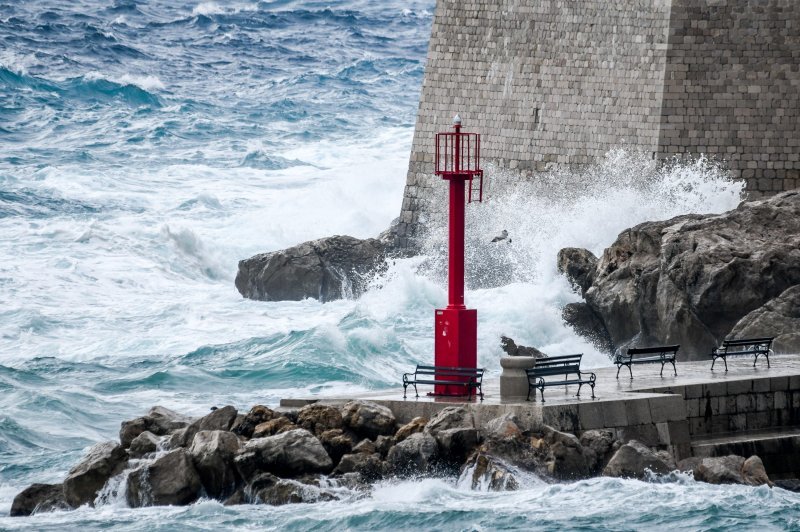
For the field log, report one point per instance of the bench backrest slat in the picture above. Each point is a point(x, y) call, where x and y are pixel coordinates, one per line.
point(449, 371)
point(554, 370)
point(652, 350)
point(747, 341)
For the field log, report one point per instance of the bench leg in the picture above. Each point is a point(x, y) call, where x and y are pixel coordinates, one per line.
point(713, 361)
point(767, 355)
point(528, 397)
point(592, 385)
point(674, 368)
point(579, 390)
point(404, 390)
point(725, 359)
point(542, 392)
point(619, 367)
point(630, 371)
point(480, 391)
point(662, 371)
point(415, 389)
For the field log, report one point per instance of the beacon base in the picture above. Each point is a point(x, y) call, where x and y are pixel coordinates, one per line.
point(456, 344)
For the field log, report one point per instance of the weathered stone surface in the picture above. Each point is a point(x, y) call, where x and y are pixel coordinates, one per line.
point(143, 444)
point(691, 279)
point(455, 445)
point(754, 473)
point(170, 480)
point(219, 419)
point(325, 269)
point(317, 418)
point(38, 498)
point(257, 415)
point(452, 417)
point(272, 427)
point(368, 419)
point(503, 428)
point(269, 489)
point(213, 452)
point(632, 460)
point(288, 454)
point(720, 470)
point(513, 350)
point(369, 466)
point(103, 461)
point(383, 444)
point(588, 324)
point(779, 317)
point(566, 459)
point(337, 443)
point(597, 445)
point(488, 473)
point(159, 421)
point(578, 265)
point(365, 446)
point(416, 454)
point(415, 425)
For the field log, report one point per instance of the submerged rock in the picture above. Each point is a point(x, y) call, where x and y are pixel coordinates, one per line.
point(88, 477)
point(633, 460)
point(325, 269)
point(690, 280)
point(170, 480)
point(39, 498)
point(484, 472)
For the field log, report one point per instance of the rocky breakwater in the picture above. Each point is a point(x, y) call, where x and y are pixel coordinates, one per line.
point(324, 452)
point(326, 269)
point(694, 280)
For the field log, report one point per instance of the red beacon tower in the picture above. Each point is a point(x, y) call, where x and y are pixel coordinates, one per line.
point(456, 342)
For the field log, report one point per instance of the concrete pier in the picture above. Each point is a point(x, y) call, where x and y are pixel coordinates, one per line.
point(742, 411)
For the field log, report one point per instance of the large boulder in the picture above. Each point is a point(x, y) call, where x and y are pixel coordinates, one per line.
point(87, 478)
point(144, 443)
point(158, 421)
point(219, 419)
point(452, 417)
point(368, 419)
point(368, 466)
point(579, 266)
point(337, 443)
point(730, 469)
point(415, 425)
point(484, 472)
point(291, 453)
point(256, 416)
point(597, 446)
point(566, 459)
point(269, 489)
point(170, 480)
point(416, 454)
point(317, 418)
point(325, 269)
point(690, 280)
point(39, 498)
point(633, 460)
point(213, 452)
point(779, 318)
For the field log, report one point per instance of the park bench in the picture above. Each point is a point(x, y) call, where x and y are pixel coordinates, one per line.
point(470, 378)
point(745, 346)
point(557, 371)
point(664, 354)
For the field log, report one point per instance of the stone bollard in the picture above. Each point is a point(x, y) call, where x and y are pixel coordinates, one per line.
point(513, 380)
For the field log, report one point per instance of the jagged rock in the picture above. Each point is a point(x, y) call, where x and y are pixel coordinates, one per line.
point(488, 473)
point(597, 448)
point(213, 452)
point(170, 480)
point(368, 419)
point(415, 455)
point(237, 497)
point(579, 266)
point(336, 443)
point(325, 269)
point(219, 419)
point(513, 350)
point(632, 460)
point(455, 445)
point(452, 417)
point(383, 444)
point(369, 466)
point(256, 416)
point(503, 428)
point(289, 412)
point(566, 459)
point(159, 421)
point(779, 318)
point(269, 489)
point(365, 446)
point(729, 469)
point(38, 498)
point(272, 427)
point(103, 461)
point(317, 418)
point(143, 444)
point(415, 425)
point(588, 324)
point(690, 280)
point(291, 453)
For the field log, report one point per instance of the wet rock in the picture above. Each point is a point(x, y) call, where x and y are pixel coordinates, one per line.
point(365, 446)
point(415, 425)
point(720, 470)
point(368, 419)
point(690, 280)
point(484, 472)
point(597, 448)
point(170, 480)
point(513, 350)
point(256, 416)
point(632, 460)
point(269, 489)
point(219, 419)
point(159, 421)
point(236, 498)
point(789, 484)
point(578, 266)
point(779, 318)
point(455, 445)
point(39, 498)
point(317, 418)
point(754, 472)
point(566, 459)
point(415, 455)
point(213, 452)
point(383, 444)
point(336, 443)
point(369, 466)
point(143, 444)
point(291, 453)
point(502, 429)
point(588, 324)
point(325, 269)
point(452, 417)
point(88, 477)
point(273, 426)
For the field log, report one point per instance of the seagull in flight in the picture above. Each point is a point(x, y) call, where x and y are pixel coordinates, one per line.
point(502, 236)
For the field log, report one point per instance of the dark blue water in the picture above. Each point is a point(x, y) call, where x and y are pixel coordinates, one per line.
point(147, 146)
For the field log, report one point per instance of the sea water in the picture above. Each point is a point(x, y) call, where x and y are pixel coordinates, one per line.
point(147, 146)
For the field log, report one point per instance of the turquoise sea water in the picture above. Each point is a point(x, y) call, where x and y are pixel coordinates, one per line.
point(147, 146)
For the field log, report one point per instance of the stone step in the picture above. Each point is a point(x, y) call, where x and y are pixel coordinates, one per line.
point(778, 448)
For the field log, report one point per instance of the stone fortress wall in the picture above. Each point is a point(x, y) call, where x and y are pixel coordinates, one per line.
point(553, 83)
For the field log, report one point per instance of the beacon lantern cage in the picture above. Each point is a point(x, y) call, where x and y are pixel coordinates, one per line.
point(458, 157)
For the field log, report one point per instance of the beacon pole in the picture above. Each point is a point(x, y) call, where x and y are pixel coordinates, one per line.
point(456, 326)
